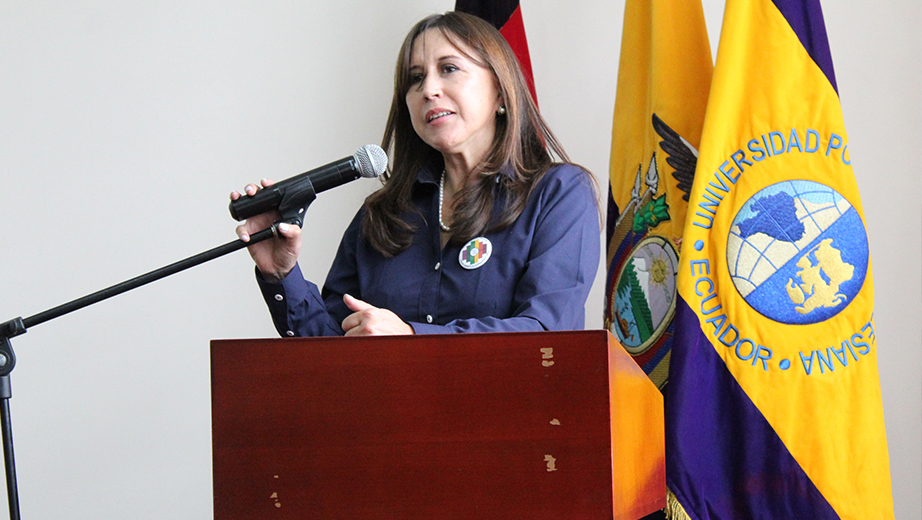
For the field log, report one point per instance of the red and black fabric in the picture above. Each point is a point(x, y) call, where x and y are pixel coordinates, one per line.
point(506, 16)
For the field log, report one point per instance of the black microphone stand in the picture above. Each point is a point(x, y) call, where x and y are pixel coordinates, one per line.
point(291, 210)
point(17, 326)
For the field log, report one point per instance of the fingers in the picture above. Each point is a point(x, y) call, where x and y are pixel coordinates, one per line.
point(368, 320)
point(259, 222)
point(251, 189)
point(289, 231)
point(241, 231)
point(353, 322)
point(274, 258)
point(355, 304)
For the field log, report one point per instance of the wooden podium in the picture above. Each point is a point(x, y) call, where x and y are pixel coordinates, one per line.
point(556, 425)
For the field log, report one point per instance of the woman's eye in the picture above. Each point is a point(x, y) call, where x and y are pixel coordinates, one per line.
point(447, 69)
point(415, 78)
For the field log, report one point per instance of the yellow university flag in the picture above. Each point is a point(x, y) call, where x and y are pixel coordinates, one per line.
point(773, 406)
point(663, 82)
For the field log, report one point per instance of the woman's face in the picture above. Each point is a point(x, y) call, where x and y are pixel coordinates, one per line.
point(452, 100)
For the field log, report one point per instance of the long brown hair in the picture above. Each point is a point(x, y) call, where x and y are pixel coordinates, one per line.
point(520, 154)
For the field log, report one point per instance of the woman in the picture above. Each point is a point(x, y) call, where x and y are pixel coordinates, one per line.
point(476, 229)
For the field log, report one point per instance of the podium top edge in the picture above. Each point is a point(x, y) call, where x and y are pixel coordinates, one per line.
point(587, 335)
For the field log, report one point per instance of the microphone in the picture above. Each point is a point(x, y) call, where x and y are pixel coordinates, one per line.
point(292, 196)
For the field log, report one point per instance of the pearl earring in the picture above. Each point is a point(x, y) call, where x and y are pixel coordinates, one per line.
point(501, 111)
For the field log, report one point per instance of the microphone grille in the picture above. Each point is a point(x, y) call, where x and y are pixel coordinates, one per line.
point(372, 160)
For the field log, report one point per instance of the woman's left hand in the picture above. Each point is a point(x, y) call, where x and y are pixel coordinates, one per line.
point(368, 320)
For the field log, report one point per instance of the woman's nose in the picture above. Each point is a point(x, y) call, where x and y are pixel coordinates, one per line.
point(431, 87)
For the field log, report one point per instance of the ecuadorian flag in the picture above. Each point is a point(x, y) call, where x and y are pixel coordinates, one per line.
point(664, 77)
point(773, 405)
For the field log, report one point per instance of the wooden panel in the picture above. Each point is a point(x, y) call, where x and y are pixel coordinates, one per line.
point(638, 438)
point(456, 426)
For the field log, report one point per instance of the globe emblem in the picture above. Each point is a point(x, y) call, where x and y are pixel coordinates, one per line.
point(645, 294)
point(798, 252)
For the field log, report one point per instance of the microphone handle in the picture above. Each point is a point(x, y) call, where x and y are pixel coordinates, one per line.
point(321, 179)
point(335, 173)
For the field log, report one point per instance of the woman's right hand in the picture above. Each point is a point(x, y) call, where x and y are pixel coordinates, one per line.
point(274, 257)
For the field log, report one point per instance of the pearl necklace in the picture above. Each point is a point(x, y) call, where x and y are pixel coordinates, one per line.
point(441, 196)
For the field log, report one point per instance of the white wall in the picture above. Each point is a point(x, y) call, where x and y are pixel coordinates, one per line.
point(123, 126)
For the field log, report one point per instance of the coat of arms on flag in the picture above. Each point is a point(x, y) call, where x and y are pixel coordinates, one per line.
point(663, 82)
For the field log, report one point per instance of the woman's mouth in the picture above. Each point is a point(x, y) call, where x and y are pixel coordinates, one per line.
point(432, 115)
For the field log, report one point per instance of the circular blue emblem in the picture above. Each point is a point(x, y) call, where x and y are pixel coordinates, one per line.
point(798, 252)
